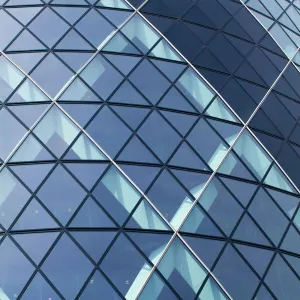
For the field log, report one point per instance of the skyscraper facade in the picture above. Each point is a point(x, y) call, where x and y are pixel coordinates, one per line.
point(149, 149)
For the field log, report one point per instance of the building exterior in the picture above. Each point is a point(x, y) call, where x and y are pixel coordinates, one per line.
point(149, 149)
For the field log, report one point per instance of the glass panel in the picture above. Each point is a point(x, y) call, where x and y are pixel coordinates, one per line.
point(182, 271)
point(10, 77)
point(127, 274)
point(116, 194)
point(252, 154)
point(195, 89)
point(56, 131)
point(15, 270)
point(61, 194)
point(140, 33)
point(67, 267)
point(13, 197)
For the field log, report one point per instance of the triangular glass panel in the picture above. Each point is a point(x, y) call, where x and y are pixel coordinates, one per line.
point(56, 131)
point(195, 89)
point(129, 274)
point(24, 14)
point(126, 93)
point(101, 76)
point(23, 2)
point(12, 198)
point(87, 174)
point(78, 91)
point(142, 176)
point(233, 166)
point(65, 265)
point(120, 44)
point(124, 63)
point(91, 215)
point(39, 288)
point(228, 131)
point(35, 217)
point(140, 33)
point(69, 2)
point(28, 114)
point(31, 150)
point(277, 179)
point(291, 241)
point(14, 28)
point(93, 242)
point(84, 149)
point(93, 19)
point(12, 280)
point(170, 69)
point(45, 75)
point(26, 61)
point(182, 122)
point(257, 257)
point(98, 288)
point(10, 78)
point(206, 249)
point(263, 294)
point(26, 42)
point(71, 14)
point(36, 244)
point(249, 232)
point(165, 51)
point(145, 217)
point(156, 288)
point(287, 202)
point(186, 158)
point(294, 262)
point(75, 60)
point(133, 116)
point(61, 194)
point(32, 175)
point(28, 92)
point(182, 270)
point(212, 291)
point(73, 41)
point(219, 110)
point(242, 190)
point(116, 194)
point(113, 4)
point(11, 132)
point(81, 113)
point(117, 17)
point(174, 100)
point(170, 198)
point(136, 151)
point(193, 181)
point(151, 244)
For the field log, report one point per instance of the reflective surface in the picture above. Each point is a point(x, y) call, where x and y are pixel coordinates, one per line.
point(125, 174)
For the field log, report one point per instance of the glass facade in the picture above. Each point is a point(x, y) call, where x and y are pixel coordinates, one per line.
point(149, 149)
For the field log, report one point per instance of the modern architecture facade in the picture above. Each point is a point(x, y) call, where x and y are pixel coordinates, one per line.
point(149, 149)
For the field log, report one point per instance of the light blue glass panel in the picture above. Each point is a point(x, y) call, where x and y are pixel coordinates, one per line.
point(212, 291)
point(195, 89)
point(277, 179)
point(31, 150)
point(140, 33)
point(113, 4)
point(164, 50)
point(28, 92)
point(83, 149)
point(145, 217)
point(252, 154)
point(10, 77)
point(13, 197)
point(56, 131)
point(219, 110)
point(178, 260)
point(116, 194)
